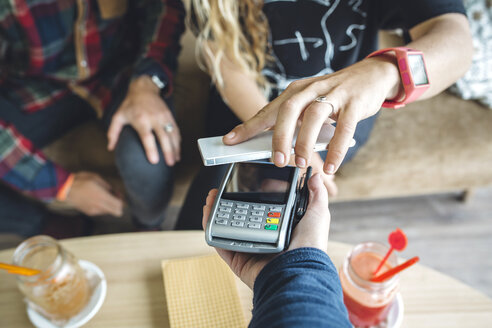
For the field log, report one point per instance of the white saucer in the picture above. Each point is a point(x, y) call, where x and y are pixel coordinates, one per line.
point(92, 272)
point(395, 314)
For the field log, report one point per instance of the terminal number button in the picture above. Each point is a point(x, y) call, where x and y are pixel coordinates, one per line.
point(254, 225)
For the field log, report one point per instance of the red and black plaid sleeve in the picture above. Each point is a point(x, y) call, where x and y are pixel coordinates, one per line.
point(161, 27)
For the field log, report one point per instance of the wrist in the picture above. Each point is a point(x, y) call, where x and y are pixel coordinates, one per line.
point(144, 83)
point(413, 73)
point(387, 69)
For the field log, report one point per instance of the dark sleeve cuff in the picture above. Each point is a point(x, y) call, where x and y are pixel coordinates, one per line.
point(151, 67)
point(310, 257)
point(47, 183)
point(299, 288)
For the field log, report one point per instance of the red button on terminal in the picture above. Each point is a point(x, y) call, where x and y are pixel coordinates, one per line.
point(273, 214)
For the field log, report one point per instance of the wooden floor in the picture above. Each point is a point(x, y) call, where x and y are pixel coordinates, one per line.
point(449, 235)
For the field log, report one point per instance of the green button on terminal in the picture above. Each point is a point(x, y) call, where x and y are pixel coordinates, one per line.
point(271, 227)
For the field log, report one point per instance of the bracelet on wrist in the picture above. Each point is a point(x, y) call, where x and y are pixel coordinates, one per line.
point(62, 193)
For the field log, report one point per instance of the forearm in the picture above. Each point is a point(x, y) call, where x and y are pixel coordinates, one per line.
point(240, 91)
point(446, 43)
point(299, 288)
point(447, 46)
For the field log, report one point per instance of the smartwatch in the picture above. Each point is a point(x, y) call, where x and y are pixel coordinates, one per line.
point(413, 74)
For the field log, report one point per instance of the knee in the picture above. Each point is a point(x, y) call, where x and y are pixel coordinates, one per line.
point(130, 155)
point(129, 148)
point(134, 167)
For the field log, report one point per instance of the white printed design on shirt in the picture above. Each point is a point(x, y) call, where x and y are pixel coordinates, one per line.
point(312, 41)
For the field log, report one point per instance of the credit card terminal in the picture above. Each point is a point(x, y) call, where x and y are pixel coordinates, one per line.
point(256, 208)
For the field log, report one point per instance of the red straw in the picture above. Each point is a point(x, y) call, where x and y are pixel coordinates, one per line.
point(390, 273)
point(398, 241)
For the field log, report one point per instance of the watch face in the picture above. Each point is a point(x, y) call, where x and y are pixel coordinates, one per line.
point(419, 75)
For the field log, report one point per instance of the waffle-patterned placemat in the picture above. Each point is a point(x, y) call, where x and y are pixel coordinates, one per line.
point(201, 292)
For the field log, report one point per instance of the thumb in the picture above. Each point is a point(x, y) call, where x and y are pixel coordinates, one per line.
point(318, 195)
point(207, 208)
point(313, 229)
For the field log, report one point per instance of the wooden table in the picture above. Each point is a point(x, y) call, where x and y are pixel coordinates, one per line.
point(136, 298)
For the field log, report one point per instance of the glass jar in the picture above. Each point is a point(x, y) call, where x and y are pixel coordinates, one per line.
point(368, 302)
point(61, 289)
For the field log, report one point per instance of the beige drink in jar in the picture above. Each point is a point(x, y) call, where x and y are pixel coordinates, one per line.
point(61, 290)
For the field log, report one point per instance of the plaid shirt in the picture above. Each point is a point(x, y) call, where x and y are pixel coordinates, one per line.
point(53, 48)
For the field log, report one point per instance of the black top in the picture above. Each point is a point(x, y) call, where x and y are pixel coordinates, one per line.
point(318, 37)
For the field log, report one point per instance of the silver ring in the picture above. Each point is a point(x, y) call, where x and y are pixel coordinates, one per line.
point(324, 100)
point(169, 127)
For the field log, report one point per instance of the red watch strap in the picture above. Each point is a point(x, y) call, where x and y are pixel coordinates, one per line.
point(412, 92)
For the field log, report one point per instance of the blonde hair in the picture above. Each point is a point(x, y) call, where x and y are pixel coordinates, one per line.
point(237, 29)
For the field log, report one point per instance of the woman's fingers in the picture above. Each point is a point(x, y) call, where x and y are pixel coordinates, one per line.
point(315, 117)
point(289, 113)
point(284, 131)
point(344, 132)
point(299, 100)
point(265, 118)
point(262, 121)
point(283, 113)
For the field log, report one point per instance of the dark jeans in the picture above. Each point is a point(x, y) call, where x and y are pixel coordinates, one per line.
point(148, 187)
point(220, 120)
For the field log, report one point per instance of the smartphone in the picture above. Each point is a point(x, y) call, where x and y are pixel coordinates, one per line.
point(256, 208)
point(214, 152)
